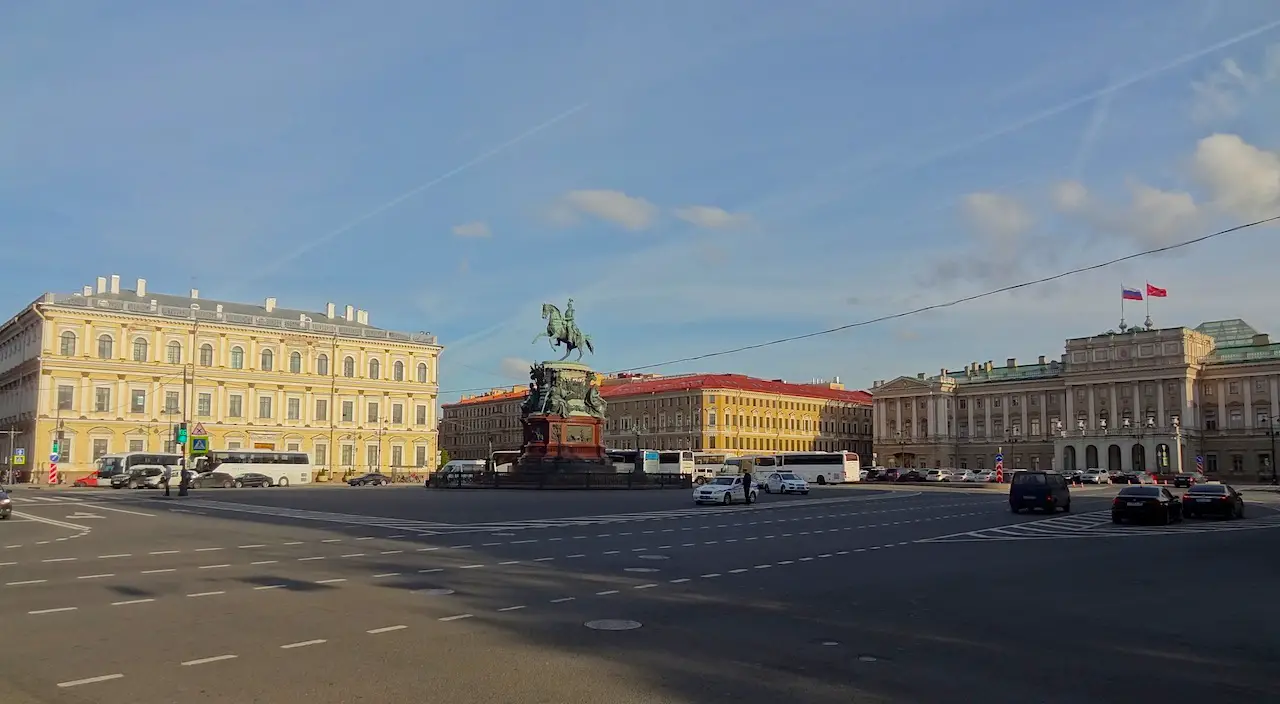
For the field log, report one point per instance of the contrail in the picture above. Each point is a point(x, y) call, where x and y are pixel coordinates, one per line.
point(1084, 150)
point(421, 188)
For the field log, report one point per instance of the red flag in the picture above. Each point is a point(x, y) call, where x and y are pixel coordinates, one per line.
point(1153, 292)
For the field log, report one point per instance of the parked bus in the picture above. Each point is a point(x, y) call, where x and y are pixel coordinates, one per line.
point(284, 468)
point(655, 461)
point(623, 461)
point(504, 460)
point(820, 467)
point(112, 465)
point(707, 465)
point(675, 462)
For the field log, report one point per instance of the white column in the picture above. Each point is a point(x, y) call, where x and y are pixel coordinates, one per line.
point(944, 427)
point(1248, 402)
point(1114, 422)
point(1192, 415)
point(969, 406)
point(897, 417)
point(986, 410)
point(1161, 420)
point(1070, 421)
point(932, 409)
point(1139, 407)
point(1004, 411)
point(915, 417)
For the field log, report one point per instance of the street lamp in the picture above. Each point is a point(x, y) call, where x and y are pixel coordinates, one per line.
point(902, 441)
point(1271, 459)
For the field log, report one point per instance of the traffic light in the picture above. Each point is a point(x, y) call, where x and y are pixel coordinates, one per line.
point(55, 447)
point(180, 436)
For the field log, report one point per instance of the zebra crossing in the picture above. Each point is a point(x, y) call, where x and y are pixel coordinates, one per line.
point(1098, 524)
point(47, 500)
point(400, 524)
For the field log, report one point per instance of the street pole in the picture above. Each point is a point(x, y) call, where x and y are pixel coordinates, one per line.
point(8, 459)
point(1272, 459)
point(333, 391)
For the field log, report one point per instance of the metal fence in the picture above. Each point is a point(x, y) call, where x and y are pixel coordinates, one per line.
point(559, 480)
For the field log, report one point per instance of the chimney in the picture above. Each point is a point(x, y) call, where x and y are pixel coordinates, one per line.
point(944, 372)
point(1261, 340)
point(195, 293)
point(142, 288)
point(329, 310)
point(115, 284)
point(1042, 360)
point(988, 367)
point(270, 305)
point(349, 314)
point(87, 291)
point(102, 284)
point(359, 316)
point(920, 375)
point(1011, 362)
point(155, 305)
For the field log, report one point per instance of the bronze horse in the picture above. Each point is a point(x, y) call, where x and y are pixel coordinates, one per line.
point(558, 333)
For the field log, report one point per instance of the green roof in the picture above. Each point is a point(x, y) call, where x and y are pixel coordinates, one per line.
point(1022, 372)
point(1228, 333)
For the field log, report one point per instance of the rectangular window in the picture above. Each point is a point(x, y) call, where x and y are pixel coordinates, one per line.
point(348, 411)
point(65, 449)
point(1211, 463)
point(1237, 464)
point(137, 401)
point(373, 412)
point(1035, 426)
point(322, 409)
point(171, 400)
point(397, 413)
point(264, 406)
point(99, 447)
point(371, 456)
point(1260, 385)
point(1233, 387)
point(348, 455)
point(1210, 420)
point(204, 405)
point(322, 455)
point(66, 395)
point(397, 456)
point(233, 444)
point(421, 413)
point(102, 400)
point(235, 406)
point(1235, 418)
point(420, 456)
point(136, 446)
point(294, 408)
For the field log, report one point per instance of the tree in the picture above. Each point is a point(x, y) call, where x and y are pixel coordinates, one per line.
point(444, 458)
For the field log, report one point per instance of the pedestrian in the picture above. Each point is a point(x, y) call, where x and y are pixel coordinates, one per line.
point(746, 487)
point(168, 474)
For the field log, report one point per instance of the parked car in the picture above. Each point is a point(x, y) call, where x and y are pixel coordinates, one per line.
point(1212, 500)
point(90, 480)
point(1095, 476)
point(1188, 479)
point(253, 479)
point(6, 505)
point(984, 475)
point(370, 479)
point(963, 475)
point(911, 475)
point(1134, 477)
point(938, 475)
point(722, 490)
point(213, 480)
point(1073, 476)
point(1141, 504)
point(784, 483)
point(1035, 489)
point(889, 475)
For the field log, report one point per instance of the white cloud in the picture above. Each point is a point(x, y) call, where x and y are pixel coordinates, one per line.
point(630, 212)
point(1226, 90)
point(998, 218)
point(1070, 196)
point(514, 367)
point(711, 217)
point(1151, 217)
point(1242, 180)
point(478, 228)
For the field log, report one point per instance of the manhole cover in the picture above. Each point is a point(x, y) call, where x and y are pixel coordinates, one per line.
point(612, 624)
point(639, 569)
point(436, 592)
point(652, 557)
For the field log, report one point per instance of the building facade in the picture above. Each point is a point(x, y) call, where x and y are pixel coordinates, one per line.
point(1155, 399)
point(111, 370)
point(729, 412)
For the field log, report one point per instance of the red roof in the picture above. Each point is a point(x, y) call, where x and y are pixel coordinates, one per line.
point(735, 382)
point(485, 398)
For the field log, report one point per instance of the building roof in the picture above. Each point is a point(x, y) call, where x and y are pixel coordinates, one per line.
point(733, 382)
point(489, 397)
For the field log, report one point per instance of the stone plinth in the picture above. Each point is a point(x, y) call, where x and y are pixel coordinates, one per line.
point(555, 443)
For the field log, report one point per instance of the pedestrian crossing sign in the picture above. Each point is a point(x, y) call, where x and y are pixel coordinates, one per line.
point(199, 445)
point(19, 455)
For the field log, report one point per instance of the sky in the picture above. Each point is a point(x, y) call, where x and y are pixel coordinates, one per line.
point(697, 176)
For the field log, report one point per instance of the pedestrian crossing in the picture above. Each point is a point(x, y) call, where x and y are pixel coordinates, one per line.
point(400, 524)
point(46, 500)
point(1098, 525)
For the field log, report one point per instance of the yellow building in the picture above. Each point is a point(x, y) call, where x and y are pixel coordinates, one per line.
point(112, 370)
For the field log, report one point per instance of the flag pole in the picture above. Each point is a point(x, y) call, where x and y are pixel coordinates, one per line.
point(1146, 297)
point(1122, 306)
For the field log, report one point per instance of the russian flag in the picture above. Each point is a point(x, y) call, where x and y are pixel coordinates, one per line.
point(1130, 294)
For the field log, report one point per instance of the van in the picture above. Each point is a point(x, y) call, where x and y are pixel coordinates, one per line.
point(1046, 490)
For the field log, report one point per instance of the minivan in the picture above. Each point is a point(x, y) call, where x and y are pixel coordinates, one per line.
point(1046, 490)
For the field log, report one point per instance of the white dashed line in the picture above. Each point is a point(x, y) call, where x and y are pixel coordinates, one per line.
point(247, 547)
point(293, 542)
point(212, 567)
point(332, 540)
point(200, 594)
point(205, 661)
point(60, 559)
point(131, 602)
point(431, 570)
point(385, 629)
point(24, 582)
point(391, 552)
point(207, 549)
point(165, 552)
point(511, 608)
point(264, 562)
point(354, 554)
point(682, 580)
point(386, 574)
point(459, 617)
point(53, 611)
point(160, 571)
point(303, 644)
point(710, 575)
point(644, 586)
point(108, 557)
point(90, 680)
point(427, 549)
point(562, 600)
point(96, 576)
point(331, 581)
point(543, 559)
point(607, 592)
point(268, 586)
point(469, 567)
point(574, 556)
point(308, 559)
point(740, 570)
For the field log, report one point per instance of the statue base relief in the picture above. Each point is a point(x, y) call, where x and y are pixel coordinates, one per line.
point(569, 444)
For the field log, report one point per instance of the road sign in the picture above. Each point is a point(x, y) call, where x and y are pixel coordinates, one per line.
point(53, 456)
point(1200, 463)
point(1000, 466)
point(19, 455)
point(199, 430)
point(199, 445)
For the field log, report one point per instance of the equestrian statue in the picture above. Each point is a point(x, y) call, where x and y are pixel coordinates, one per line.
point(562, 330)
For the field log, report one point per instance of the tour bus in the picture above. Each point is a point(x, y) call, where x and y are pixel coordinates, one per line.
point(707, 465)
point(675, 462)
point(111, 465)
point(655, 461)
point(283, 468)
point(503, 460)
point(814, 467)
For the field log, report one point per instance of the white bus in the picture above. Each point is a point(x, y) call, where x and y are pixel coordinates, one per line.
point(707, 465)
point(818, 467)
point(675, 462)
point(655, 461)
point(284, 468)
point(111, 465)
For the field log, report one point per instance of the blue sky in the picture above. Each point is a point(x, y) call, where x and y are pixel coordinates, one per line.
point(698, 175)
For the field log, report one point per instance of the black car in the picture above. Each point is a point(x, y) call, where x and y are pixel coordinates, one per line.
point(253, 479)
point(1212, 500)
point(6, 505)
point(1072, 475)
point(1141, 504)
point(1132, 477)
point(370, 479)
point(1046, 490)
point(214, 480)
point(910, 475)
point(1188, 479)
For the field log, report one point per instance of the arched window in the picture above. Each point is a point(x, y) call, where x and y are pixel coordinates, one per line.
point(206, 355)
point(67, 345)
point(374, 368)
point(173, 352)
point(237, 357)
point(422, 373)
point(322, 365)
point(349, 367)
point(268, 360)
point(397, 371)
point(105, 344)
point(140, 349)
point(295, 362)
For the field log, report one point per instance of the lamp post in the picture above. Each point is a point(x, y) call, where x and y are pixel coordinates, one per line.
point(1271, 459)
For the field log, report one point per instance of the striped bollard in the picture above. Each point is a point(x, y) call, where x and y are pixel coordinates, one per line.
point(53, 472)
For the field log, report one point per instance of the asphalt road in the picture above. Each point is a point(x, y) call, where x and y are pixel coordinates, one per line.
point(407, 595)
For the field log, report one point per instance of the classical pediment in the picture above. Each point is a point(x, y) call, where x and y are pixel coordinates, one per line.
point(903, 385)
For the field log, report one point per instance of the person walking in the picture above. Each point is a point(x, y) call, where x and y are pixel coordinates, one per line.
point(168, 475)
point(746, 487)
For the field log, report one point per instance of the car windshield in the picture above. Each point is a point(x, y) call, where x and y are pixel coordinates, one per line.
point(789, 476)
point(1209, 489)
point(1028, 478)
point(723, 480)
point(1145, 492)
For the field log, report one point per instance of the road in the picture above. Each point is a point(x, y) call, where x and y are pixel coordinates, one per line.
point(400, 594)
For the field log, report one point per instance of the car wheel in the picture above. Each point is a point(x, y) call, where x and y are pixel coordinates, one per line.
point(227, 485)
point(239, 484)
point(699, 481)
point(284, 481)
point(1066, 508)
point(727, 499)
point(1015, 509)
point(4, 516)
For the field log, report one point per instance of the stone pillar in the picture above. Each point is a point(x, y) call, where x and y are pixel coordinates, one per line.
point(1045, 428)
point(1222, 405)
point(986, 409)
point(969, 406)
point(1275, 400)
point(1026, 429)
point(1248, 402)
point(931, 414)
point(1115, 409)
point(915, 417)
point(1004, 411)
point(1161, 420)
point(897, 418)
point(1070, 421)
point(1093, 410)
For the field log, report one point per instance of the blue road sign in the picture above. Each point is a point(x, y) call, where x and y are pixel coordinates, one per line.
point(53, 457)
point(199, 444)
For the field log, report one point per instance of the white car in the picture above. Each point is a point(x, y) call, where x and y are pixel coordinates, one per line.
point(963, 475)
point(785, 483)
point(938, 475)
point(722, 490)
point(1095, 476)
point(984, 475)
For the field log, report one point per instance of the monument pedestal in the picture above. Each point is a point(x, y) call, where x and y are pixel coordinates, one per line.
point(555, 443)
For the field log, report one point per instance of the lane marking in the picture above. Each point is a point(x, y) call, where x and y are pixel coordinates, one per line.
point(95, 576)
point(385, 629)
point(331, 581)
point(130, 602)
point(255, 545)
point(511, 608)
point(100, 507)
point(268, 586)
point(159, 571)
point(510, 562)
point(332, 540)
point(303, 644)
point(264, 562)
point(308, 559)
point(682, 580)
point(207, 549)
point(469, 567)
point(459, 617)
point(90, 680)
point(563, 600)
point(353, 554)
point(164, 552)
point(109, 557)
point(53, 611)
point(543, 559)
point(60, 559)
point(386, 574)
point(607, 592)
point(200, 594)
point(204, 661)
point(212, 567)
point(644, 586)
point(391, 552)
point(293, 542)
point(25, 581)
point(430, 570)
